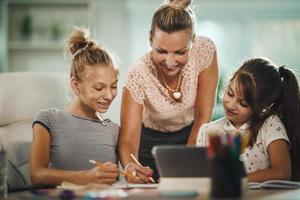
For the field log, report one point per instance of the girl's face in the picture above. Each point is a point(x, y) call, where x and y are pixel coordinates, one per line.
point(98, 87)
point(170, 51)
point(237, 110)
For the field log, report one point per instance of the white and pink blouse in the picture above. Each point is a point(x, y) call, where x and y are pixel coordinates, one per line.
point(160, 111)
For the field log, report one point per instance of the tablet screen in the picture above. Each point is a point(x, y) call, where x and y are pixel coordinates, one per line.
point(181, 161)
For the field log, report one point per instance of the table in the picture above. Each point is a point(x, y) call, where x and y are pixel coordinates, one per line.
point(145, 194)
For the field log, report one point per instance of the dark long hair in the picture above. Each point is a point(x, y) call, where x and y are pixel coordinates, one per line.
point(272, 91)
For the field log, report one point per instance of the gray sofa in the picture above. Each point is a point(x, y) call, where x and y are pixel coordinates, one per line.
point(22, 95)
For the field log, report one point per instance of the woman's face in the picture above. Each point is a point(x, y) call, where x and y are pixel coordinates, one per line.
point(237, 110)
point(170, 51)
point(98, 87)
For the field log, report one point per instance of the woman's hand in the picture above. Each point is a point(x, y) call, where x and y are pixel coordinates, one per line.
point(106, 173)
point(143, 173)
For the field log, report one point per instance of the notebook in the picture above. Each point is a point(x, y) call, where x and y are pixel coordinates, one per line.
point(181, 161)
point(275, 184)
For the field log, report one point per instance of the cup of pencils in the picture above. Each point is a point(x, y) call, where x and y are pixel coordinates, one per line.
point(227, 170)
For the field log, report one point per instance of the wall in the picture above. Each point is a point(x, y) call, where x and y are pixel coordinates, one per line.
point(3, 35)
point(240, 29)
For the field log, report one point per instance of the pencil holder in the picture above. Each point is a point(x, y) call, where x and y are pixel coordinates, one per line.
point(226, 178)
point(227, 171)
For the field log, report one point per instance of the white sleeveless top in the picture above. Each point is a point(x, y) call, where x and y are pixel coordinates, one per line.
point(160, 111)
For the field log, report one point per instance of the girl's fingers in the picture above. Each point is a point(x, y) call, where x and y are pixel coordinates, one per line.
point(110, 164)
point(106, 180)
point(108, 168)
point(108, 175)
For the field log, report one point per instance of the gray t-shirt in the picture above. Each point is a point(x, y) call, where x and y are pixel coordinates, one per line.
point(76, 140)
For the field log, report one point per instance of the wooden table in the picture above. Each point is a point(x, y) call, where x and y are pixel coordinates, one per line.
point(145, 194)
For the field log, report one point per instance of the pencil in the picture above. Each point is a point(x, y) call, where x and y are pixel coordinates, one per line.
point(96, 163)
point(123, 172)
point(137, 162)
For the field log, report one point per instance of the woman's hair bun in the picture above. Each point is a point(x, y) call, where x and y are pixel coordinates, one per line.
point(181, 4)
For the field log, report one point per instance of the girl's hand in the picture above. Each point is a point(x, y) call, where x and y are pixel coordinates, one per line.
point(143, 173)
point(106, 173)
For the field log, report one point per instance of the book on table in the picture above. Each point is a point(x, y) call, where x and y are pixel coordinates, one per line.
point(274, 184)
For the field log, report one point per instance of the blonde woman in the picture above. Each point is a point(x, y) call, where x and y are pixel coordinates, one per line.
point(170, 91)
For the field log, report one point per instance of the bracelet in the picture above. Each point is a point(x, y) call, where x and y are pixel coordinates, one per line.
point(128, 165)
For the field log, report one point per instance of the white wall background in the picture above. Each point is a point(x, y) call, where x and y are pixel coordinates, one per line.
point(240, 29)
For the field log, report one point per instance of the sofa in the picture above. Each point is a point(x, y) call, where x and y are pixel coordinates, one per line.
point(22, 95)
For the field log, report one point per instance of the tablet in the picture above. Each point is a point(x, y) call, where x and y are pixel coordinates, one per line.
point(181, 161)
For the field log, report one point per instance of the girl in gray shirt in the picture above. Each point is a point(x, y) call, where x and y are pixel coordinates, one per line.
point(65, 140)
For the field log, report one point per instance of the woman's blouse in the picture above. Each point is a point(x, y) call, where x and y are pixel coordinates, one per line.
point(160, 111)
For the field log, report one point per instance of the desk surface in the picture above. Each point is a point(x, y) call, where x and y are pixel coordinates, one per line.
point(145, 194)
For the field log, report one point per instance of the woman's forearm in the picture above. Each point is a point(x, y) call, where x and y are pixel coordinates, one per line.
point(126, 148)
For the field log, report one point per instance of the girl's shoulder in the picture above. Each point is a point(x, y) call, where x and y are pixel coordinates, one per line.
point(272, 129)
point(48, 118)
point(49, 113)
point(214, 126)
point(272, 121)
point(114, 127)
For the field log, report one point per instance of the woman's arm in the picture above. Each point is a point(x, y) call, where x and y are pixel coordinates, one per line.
point(40, 172)
point(205, 99)
point(280, 164)
point(130, 133)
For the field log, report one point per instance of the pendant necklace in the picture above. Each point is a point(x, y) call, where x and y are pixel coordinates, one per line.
point(175, 94)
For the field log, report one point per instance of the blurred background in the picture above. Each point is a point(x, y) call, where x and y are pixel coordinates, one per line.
point(33, 33)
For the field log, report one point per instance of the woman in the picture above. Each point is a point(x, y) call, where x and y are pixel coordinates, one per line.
point(170, 92)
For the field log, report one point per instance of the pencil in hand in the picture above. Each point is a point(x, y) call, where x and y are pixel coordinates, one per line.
point(137, 162)
point(123, 172)
point(96, 163)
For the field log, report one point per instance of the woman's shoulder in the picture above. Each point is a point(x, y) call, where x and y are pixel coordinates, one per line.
point(141, 76)
point(202, 42)
point(141, 64)
point(202, 53)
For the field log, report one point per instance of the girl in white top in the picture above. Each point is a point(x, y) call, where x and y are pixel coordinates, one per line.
point(170, 91)
point(262, 103)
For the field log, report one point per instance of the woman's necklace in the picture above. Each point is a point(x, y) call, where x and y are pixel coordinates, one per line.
point(175, 94)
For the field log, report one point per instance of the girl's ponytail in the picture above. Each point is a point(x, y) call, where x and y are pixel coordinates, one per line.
point(291, 115)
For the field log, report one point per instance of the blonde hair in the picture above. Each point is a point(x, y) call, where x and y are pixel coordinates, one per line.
point(173, 16)
point(85, 51)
